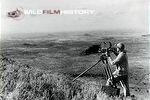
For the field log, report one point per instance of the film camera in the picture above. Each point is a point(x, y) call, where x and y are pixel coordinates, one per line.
point(103, 47)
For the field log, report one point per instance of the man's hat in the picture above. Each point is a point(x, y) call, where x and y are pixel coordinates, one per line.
point(120, 46)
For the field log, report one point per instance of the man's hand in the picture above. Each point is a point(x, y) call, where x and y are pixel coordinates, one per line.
point(114, 50)
point(108, 54)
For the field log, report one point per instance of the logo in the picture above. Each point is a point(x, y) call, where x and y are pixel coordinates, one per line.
point(20, 13)
point(17, 14)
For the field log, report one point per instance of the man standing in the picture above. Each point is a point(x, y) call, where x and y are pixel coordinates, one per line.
point(121, 72)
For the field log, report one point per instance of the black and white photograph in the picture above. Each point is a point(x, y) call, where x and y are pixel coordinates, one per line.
point(74, 50)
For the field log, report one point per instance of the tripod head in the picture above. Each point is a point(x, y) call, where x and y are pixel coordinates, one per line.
point(105, 47)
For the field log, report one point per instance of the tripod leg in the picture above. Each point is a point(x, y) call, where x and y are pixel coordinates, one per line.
point(105, 70)
point(108, 68)
point(110, 80)
point(108, 71)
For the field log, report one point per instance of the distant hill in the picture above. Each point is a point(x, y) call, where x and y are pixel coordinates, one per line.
point(146, 35)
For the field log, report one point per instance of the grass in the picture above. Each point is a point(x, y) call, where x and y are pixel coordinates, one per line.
point(22, 82)
point(25, 83)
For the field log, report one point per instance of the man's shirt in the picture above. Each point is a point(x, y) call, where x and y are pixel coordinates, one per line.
point(121, 63)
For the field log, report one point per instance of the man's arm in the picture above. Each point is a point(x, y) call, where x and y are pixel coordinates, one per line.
point(117, 60)
point(114, 51)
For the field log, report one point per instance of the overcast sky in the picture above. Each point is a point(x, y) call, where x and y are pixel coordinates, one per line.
point(111, 15)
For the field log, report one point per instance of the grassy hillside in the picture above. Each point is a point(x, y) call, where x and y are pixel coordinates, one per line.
point(22, 82)
point(44, 66)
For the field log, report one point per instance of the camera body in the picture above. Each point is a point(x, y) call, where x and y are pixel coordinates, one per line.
point(103, 50)
point(102, 47)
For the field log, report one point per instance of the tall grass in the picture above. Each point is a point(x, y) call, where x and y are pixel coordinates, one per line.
point(22, 82)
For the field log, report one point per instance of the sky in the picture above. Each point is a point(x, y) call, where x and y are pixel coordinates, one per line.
point(110, 15)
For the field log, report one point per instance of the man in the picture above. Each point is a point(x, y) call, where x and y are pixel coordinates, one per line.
point(121, 72)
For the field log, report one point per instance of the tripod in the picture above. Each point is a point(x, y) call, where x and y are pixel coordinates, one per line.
point(111, 89)
point(107, 69)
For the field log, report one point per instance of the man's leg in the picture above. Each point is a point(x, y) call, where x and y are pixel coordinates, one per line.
point(124, 88)
point(125, 83)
